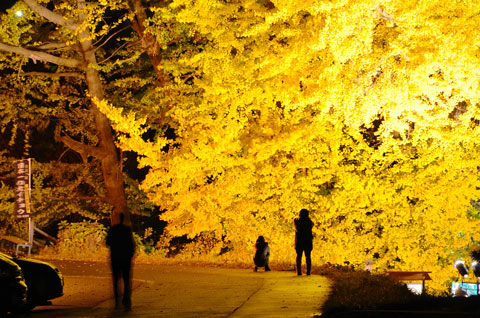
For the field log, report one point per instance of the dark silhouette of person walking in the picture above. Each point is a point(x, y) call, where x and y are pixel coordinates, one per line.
point(303, 240)
point(262, 254)
point(122, 248)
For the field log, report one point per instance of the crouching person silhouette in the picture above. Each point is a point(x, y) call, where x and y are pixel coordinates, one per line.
point(122, 248)
point(262, 254)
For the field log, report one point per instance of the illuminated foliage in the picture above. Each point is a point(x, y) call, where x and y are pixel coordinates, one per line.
point(366, 114)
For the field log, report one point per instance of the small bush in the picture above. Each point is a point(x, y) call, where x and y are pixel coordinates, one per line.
point(353, 290)
point(84, 240)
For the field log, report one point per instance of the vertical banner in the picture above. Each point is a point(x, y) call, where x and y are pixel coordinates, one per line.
point(22, 188)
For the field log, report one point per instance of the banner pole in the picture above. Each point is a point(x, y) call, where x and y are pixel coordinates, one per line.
point(30, 221)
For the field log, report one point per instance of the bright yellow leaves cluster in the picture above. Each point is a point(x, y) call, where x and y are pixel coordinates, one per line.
point(365, 113)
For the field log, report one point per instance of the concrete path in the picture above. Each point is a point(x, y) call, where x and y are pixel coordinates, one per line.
point(283, 294)
point(183, 292)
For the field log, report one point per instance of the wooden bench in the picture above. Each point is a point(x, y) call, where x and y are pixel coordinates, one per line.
point(411, 276)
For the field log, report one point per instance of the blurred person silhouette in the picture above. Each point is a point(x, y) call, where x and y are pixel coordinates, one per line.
point(303, 240)
point(262, 254)
point(122, 248)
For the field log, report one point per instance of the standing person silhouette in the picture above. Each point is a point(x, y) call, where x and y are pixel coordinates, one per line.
point(122, 248)
point(303, 240)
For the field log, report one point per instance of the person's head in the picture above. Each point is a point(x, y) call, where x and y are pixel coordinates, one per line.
point(260, 239)
point(303, 213)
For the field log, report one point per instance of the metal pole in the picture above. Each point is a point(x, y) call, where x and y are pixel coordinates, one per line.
point(31, 226)
point(51, 238)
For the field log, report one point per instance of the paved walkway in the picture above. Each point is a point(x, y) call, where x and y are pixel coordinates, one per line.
point(284, 294)
point(281, 294)
point(193, 292)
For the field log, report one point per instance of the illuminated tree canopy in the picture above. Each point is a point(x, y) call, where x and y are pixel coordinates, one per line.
point(366, 113)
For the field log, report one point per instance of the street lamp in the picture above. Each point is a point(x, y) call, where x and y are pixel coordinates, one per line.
point(462, 269)
point(475, 266)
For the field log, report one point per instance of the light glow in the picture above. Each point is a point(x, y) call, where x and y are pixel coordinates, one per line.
point(460, 266)
point(476, 268)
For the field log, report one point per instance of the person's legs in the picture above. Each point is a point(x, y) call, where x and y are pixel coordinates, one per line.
point(127, 284)
point(299, 261)
point(258, 263)
point(308, 260)
point(267, 268)
point(116, 272)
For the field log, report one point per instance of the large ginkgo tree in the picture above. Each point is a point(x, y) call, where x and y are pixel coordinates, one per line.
point(366, 113)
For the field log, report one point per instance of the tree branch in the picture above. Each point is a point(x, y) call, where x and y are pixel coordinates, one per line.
point(50, 15)
point(54, 75)
point(111, 55)
point(84, 150)
point(40, 56)
point(55, 46)
point(93, 198)
point(148, 41)
point(83, 198)
point(110, 37)
point(384, 15)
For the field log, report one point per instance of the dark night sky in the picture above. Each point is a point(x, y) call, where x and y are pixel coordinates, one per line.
point(5, 4)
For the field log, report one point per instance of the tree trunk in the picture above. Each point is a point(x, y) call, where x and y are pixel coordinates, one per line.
point(111, 165)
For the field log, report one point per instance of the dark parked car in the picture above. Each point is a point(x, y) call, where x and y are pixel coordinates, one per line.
point(26, 283)
point(13, 289)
